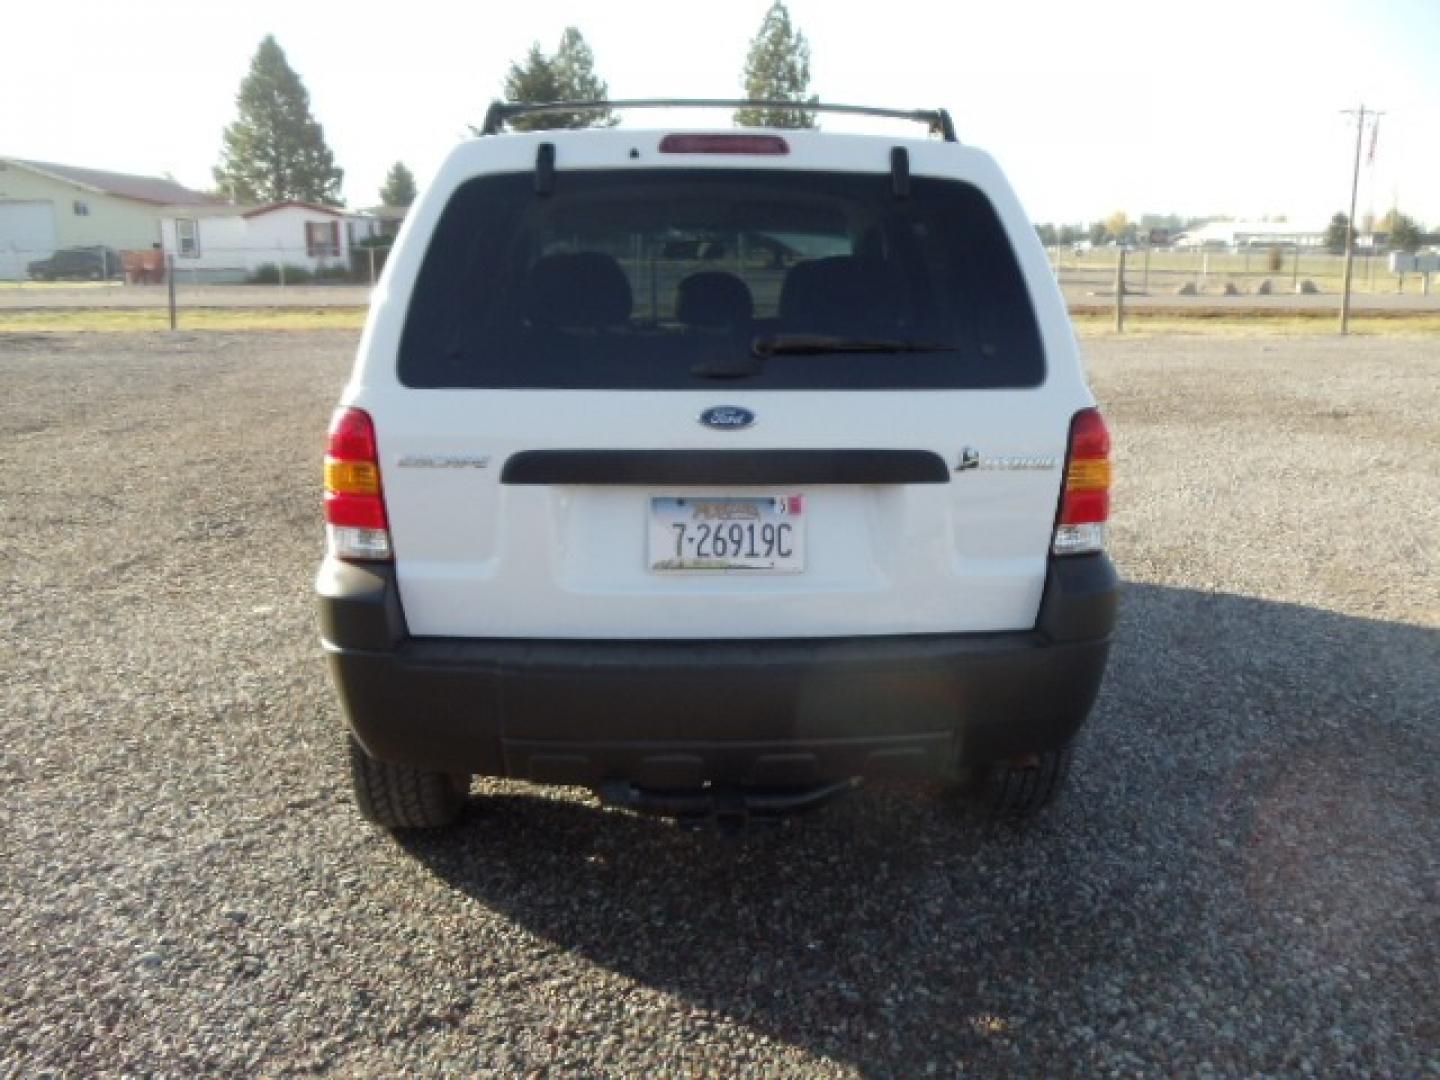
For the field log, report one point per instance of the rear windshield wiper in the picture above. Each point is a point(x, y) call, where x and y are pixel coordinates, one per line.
point(816, 344)
point(807, 345)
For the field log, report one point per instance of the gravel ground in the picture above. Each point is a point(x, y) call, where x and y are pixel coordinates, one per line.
point(1244, 880)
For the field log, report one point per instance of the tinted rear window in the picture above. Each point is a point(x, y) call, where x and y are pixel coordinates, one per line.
point(636, 279)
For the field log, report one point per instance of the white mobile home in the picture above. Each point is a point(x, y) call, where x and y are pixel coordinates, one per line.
point(232, 243)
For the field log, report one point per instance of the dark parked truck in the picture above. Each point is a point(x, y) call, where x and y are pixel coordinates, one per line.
point(77, 264)
point(616, 497)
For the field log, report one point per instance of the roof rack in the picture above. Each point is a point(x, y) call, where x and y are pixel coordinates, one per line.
point(502, 112)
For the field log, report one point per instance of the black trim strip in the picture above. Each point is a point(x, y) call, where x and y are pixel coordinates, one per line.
point(545, 169)
point(900, 172)
point(739, 467)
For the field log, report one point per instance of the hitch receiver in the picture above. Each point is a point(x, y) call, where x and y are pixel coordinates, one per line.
point(727, 805)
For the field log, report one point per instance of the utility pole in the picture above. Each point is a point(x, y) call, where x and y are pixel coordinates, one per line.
point(1120, 289)
point(1350, 231)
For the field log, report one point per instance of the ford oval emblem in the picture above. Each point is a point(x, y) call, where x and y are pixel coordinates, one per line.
point(727, 418)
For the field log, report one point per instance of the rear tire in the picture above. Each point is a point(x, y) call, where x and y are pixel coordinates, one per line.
point(1019, 789)
point(402, 796)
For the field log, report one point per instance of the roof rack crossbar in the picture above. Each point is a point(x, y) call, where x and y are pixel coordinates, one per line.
point(502, 112)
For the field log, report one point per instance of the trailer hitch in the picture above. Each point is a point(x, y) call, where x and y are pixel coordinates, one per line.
point(731, 807)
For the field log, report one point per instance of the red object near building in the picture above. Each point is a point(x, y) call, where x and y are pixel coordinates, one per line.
point(143, 267)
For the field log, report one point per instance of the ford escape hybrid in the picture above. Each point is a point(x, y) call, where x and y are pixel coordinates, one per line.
point(714, 471)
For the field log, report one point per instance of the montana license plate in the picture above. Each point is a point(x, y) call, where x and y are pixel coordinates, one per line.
point(701, 534)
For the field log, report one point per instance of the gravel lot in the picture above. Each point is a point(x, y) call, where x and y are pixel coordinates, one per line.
point(1245, 879)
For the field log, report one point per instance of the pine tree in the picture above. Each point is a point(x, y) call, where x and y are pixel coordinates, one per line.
point(777, 69)
point(568, 75)
point(399, 189)
point(1335, 235)
point(275, 150)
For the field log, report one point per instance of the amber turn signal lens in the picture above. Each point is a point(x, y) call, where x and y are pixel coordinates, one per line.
point(1088, 474)
point(352, 477)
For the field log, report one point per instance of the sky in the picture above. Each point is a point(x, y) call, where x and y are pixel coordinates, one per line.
point(1211, 107)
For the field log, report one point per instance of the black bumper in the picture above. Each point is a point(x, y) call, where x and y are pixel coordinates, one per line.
point(675, 714)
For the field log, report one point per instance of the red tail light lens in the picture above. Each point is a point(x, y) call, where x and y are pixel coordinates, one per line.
point(722, 143)
point(1085, 502)
point(355, 523)
point(352, 436)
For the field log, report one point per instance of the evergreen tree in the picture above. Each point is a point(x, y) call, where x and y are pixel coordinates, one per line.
point(1335, 235)
point(275, 150)
point(399, 189)
point(777, 69)
point(568, 75)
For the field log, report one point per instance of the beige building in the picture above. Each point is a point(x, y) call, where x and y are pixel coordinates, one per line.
point(44, 207)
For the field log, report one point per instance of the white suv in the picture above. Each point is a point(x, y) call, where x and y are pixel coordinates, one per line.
point(714, 471)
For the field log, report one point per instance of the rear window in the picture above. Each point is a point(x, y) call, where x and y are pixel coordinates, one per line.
point(671, 279)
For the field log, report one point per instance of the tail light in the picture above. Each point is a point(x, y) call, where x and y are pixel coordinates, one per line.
point(355, 522)
point(1085, 502)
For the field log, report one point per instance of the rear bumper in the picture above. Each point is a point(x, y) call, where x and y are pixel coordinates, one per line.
point(676, 714)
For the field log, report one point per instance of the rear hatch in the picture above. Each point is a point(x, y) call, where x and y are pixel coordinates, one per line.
point(709, 403)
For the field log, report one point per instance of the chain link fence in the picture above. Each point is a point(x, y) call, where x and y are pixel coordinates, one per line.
point(1247, 271)
point(158, 288)
point(357, 264)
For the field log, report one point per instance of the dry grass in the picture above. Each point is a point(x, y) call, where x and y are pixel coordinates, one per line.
point(96, 320)
point(1095, 322)
point(41, 286)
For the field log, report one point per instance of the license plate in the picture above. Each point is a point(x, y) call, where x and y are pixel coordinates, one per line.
point(703, 534)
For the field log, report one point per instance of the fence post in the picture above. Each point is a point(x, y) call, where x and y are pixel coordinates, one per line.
point(1145, 281)
point(170, 284)
point(1120, 291)
point(371, 250)
point(1295, 270)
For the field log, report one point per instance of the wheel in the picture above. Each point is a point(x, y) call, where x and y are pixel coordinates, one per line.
point(1019, 788)
point(404, 797)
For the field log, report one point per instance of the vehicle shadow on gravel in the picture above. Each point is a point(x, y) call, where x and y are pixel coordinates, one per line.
point(1255, 802)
